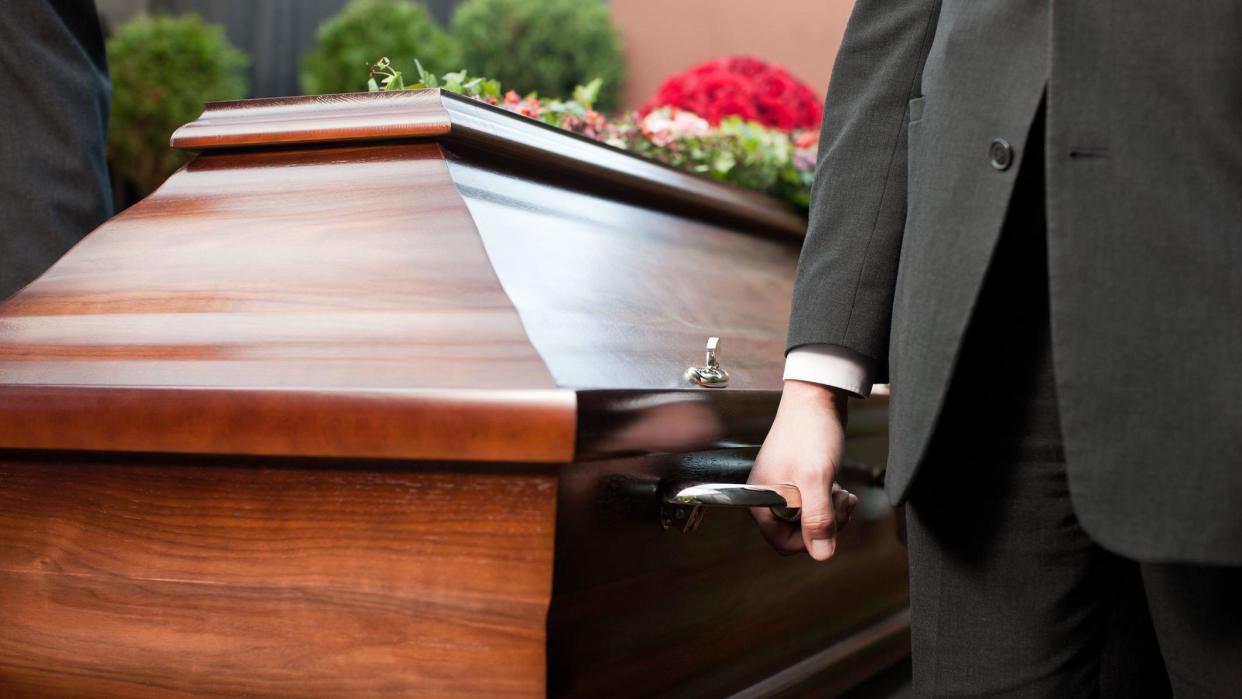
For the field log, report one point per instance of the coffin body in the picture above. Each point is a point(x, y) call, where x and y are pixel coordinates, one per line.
point(376, 397)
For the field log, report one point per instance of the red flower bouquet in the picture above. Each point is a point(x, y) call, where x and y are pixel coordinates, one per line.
point(748, 87)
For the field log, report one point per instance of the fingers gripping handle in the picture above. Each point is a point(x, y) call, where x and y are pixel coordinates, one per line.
point(784, 500)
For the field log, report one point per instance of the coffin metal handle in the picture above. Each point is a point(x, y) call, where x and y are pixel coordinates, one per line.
point(733, 495)
point(684, 502)
point(783, 499)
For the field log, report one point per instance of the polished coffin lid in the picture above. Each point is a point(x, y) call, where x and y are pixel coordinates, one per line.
point(402, 275)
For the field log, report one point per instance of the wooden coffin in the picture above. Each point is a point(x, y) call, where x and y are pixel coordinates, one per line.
point(376, 397)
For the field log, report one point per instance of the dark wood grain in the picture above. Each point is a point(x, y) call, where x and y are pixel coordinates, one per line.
point(326, 268)
point(321, 268)
point(323, 415)
point(640, 611)
point(615, 295)
point(337, 285)
point(159, 579)
point(841, 667)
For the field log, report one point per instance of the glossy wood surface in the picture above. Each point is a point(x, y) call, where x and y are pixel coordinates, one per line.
point(331, 267)
point(615, 295)
point(842, 666)
point(323, 415)
point(477, 425)
point(345, 269)
point(313, 302)
point(151, 578)
point(315, 119)
point(663, 613)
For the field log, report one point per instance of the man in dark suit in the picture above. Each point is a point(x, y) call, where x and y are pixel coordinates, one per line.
point(53, 133)
point(1027, 216)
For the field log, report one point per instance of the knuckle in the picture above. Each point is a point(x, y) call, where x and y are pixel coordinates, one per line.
point(817, 522)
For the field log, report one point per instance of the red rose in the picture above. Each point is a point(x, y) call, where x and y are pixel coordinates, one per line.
point(747, 65)
point(776, 113)
point(809, 112)
point(729, 106)
point(723, 85)
point(743, 85)
point(775, 86)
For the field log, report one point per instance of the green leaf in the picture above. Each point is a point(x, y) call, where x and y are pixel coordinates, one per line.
point(490, 88)
point(587, 94)
point(424, 78)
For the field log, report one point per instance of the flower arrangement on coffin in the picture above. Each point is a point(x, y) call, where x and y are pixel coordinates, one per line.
point(744, 86)
point(735, 150)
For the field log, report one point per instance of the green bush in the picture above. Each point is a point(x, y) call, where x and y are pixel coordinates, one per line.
point(163, 69)
point(548, 46)
point(367, 29)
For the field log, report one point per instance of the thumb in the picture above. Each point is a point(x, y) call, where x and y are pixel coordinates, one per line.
point(819, 525)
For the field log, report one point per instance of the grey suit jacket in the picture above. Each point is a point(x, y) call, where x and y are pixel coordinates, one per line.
point(1144, 206)
point(53, 129)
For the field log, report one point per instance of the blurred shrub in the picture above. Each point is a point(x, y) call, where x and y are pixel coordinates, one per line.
point(163, 69)
point(547, 46)
point(349, 42)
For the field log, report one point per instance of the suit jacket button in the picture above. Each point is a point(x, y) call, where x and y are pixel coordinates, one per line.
point(1000, 153)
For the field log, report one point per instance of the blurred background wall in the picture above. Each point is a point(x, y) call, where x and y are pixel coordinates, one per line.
point(659, 36)
point(663, 36)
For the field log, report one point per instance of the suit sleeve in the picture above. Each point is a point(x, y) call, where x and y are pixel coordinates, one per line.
point(843, 291)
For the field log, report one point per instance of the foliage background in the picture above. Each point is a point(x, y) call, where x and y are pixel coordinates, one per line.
point(350, 41)
point(163, 69)
point(544, 46)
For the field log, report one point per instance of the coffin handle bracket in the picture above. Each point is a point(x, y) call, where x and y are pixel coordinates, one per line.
point(711, 374)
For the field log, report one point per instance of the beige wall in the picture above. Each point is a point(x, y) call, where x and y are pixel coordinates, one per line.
point(664, 36)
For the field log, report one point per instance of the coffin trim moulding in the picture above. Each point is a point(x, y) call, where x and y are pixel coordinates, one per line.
point(422, 424)
point(456, 120)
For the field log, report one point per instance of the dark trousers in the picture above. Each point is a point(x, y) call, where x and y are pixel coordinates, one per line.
point(1009, 596)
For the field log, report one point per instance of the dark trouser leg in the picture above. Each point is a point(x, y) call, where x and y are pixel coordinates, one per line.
point(1010, 597)
point(1197, 612)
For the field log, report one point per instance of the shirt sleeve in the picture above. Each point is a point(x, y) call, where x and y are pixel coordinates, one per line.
point(831, 365)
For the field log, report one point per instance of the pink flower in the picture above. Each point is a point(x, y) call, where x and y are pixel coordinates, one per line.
point(668, 124)
point(529, 107)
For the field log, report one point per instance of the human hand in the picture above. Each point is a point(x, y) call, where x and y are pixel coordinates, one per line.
point(804, 448)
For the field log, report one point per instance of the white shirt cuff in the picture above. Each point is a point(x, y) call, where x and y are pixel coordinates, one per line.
point(831, 365)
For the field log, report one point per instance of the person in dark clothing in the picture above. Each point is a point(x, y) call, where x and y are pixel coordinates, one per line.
point(1027, 217)
point(54, 95)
